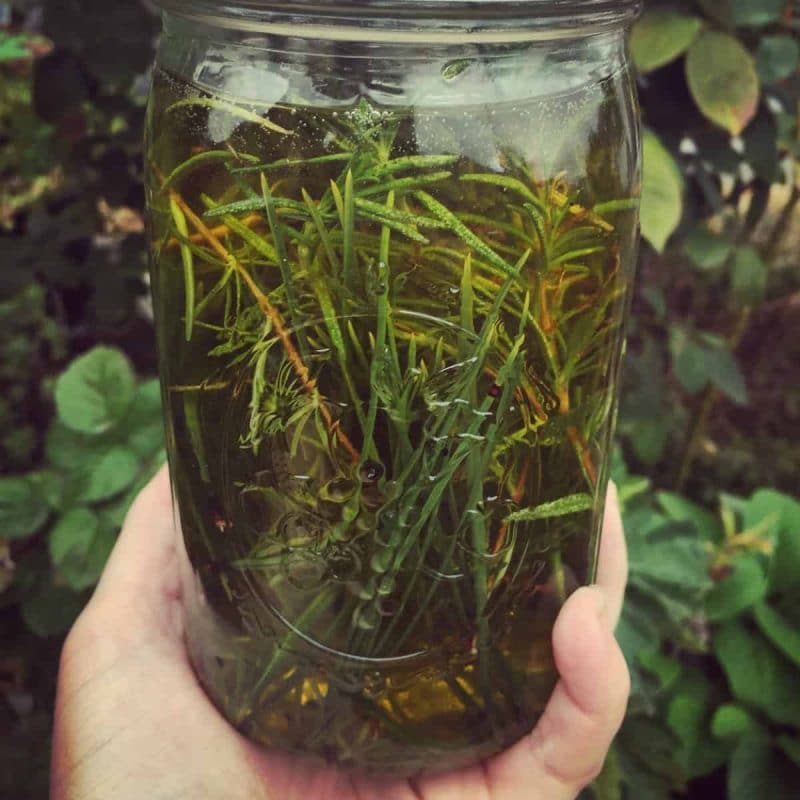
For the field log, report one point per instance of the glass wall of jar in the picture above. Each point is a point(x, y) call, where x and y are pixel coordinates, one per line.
point(392, 247)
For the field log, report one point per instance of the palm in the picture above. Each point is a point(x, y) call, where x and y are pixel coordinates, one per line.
point(132, 720)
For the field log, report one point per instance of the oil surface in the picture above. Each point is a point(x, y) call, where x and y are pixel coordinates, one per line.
point(389, 345)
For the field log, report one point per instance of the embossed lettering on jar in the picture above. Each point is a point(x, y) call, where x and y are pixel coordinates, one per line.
point(392, 247)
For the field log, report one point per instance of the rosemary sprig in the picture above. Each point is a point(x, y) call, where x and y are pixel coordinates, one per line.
point(406, 356)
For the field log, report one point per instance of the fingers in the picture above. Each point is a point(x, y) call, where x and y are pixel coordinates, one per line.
point(612, 569)
point(141, 584)
point(567, 749)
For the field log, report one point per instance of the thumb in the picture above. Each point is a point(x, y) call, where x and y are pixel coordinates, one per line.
point(141, 583)
point(567, 749)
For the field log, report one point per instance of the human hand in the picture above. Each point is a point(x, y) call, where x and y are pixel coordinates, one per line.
point(133, 722)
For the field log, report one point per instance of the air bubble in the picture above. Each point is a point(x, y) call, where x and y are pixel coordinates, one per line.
point(371, 472)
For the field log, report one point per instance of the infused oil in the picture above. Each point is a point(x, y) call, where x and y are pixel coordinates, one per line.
point(389, 340)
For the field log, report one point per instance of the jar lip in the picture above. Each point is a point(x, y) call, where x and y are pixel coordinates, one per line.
point(410, 18)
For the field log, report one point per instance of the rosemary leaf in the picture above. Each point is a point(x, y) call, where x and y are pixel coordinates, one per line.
point(290, 163)
point(282, 258)
point(348, 225)
point(615, 206)
point(396, 215)
point(504, 182)
point(201, 160)
point(575, 255)
point(255, 204)
point(444, 215)
point(188, 266)
point(258, 243)
point(413, 162)
point(215, 104)
point(402, 185)
point(571, 504)
point(322, 231)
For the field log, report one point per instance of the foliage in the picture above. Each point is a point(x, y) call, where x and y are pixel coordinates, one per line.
point(719, 90)
point(76, 499)
point(710, 412)
point(714, 659)
point(712, 635)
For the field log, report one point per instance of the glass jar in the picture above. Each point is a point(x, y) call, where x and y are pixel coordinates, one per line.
point(392, 248)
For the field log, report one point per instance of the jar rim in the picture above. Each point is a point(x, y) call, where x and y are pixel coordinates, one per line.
point(363, 19)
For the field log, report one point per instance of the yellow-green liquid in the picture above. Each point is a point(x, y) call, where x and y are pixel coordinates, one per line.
point(352, 420)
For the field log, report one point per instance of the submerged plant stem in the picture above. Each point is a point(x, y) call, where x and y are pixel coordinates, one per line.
point(274, 317)
point(387, 386)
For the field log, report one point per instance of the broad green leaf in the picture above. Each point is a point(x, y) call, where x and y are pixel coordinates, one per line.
point(646, 748)
point(50, 610)
point(722, 78)
point(672, 558)
point(680, 509)
point(742, 589)
point(702, 358)
point(95, 391)
point(785, 567)
point(144, 424)
point(759, 675)
point(48, 485)
point(756, 771)
point(80, 547)
point(632, 488)
point(782, 634)
point(749, 276)
point(608, 785)
point(70, 451)
point(23, 509)
point(755, 13)
point(769, 505)
point(688, 361)
point(649, 436)
point(725, 373)
point(662, 192)
point(73, 533)
point(777, 58)
point(114, 472)
point(689, 717)
point(707, 250)
point(636, 631)
point(665, 668)
point(731, 722)
point(13, 46)
point(661, 36)
point(558, 508)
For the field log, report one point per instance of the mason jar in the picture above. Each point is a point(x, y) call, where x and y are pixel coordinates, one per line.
point(392, 248)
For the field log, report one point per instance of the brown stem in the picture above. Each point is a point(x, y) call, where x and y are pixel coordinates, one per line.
point(547, 320)
point(272, 313)
point(220, 231)
point(581, 446)
point(575, 436)
point(516, 496)
point(696, 433)
point(578, 440)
